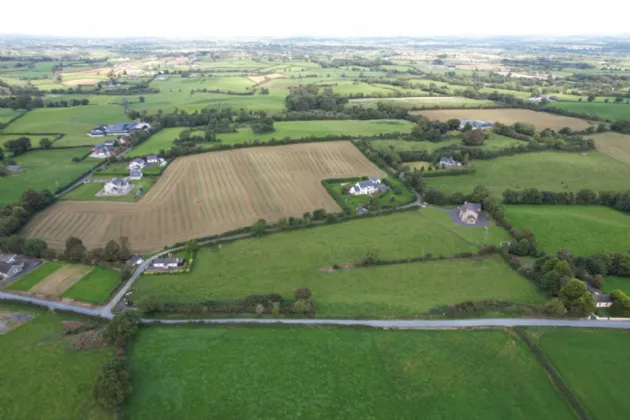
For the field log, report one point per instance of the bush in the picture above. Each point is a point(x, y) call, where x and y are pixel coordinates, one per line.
point(577, 298)
point(555, 307)
point(121, 328)
point(113, 384)
point(621, 303)
point(149, 305)
point(302, 293)
point(304, 306)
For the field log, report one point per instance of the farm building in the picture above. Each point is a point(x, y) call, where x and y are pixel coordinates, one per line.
point(469, 213)
point(137, 164)
point(116, 186)
point(167, 262)
point(118, 129)
point(368, 187)
point(475, 124)
point(10, 266)
point(448, 162)
point(102, 151)
point(135, 175)
point(135, 260)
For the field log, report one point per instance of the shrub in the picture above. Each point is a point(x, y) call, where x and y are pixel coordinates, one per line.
point(303, 306)
point(576, 297)
point(302, 293)
point(121, 328)
point(113, 384)
point(149, 305)
point(621, 303)
point(555, 307)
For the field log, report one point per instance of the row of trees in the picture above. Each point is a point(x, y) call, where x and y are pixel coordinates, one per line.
point(307, 98)
point(617, 200)
point(25, 101)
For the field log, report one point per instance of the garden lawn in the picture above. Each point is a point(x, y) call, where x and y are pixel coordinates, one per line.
point(326, 373)
point(42, 378)
point(87, 191)
point(610, 111)
point(51, 169)
point(75, 122)
point(585, 230)
point(616, 283)
point(280, 263)
point(31, 279)
point(95, 287)
point(595, 365)
point(550, 171)
point(397, 192)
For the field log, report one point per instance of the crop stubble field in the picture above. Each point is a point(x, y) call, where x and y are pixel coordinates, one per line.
point(208, 194)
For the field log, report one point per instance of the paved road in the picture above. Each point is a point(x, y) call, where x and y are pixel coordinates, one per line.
point(55, 305)
point(79, 182)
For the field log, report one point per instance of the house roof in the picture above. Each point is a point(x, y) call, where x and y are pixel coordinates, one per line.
point(471, 206)
point(475, 123)
point(138, 161)
point(7, 258)
point(168, 261)
point(13, 168)
point(134, 259)
point(366, 184)
point(118, 182)
point(152, 157)
point(135, 173)
point(447, 160)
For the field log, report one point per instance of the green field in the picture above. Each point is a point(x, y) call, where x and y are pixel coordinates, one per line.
point(549, 171)
point(586, 230)
point(34, 139)
point(43, 169)
point(595, 365)
point(96, 287)
point(425, 102)
point(42, 378)
point(326, 373)
point(7, 113)
point(280, 263)
point(75, 122)
point(617, 283)
point(31, 279)
point(88, 191)
point(611, 110)
point(293, 129)
point(495, 141)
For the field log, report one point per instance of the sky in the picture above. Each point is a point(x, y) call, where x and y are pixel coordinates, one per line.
point(320, 18)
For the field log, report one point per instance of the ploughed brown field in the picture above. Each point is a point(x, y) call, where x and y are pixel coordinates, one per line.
point(508, 116)
point(210, 193)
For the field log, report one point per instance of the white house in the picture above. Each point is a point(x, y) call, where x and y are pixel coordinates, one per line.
point(469, 213)
point(541, 98)
point(167, 262)
point(602, 300)
point(135, 175)
point(475, 124)
point(116, 186)
point(10, 266)
point(371, 186)
point(135, 260)
point(152, 159)
point(449, 162)
point(137, 164)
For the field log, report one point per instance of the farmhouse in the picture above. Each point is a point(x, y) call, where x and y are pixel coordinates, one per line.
point(10, 266)
point(137, 164)
point(116, 186)
point(469, 213)
point(135, 175)
point(475, 124)
point(118, 129)
point(448, 162)
point(368, 187)
point(167, 262)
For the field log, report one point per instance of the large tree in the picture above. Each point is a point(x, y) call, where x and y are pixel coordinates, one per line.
point(18, 146)
point(473, 137)
point(576, 297)
point(75, 250)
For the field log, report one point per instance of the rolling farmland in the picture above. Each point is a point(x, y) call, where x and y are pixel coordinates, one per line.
point(208, 194)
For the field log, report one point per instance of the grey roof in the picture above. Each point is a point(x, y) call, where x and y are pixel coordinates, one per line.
point(6, 266)
point(118, 182)
point(5, 258)
point(151, 157)
point(13, 168)
point(168, 261)
point(126, 126)
point(471, 206)
point(138, 160)
point(475, 123)
point(449, 160)
point(602, 297)
point(109, 143)
point(134, 259)
point(366, 184)
point(135, 174)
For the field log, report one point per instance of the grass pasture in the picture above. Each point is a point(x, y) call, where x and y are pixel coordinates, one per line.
point(616, 283)
point(609, 111)
point(615, 145)
point(210, 193)
point(43, 169)
point(61, 280)
point(42, 378)
point(508, 116)
point(330, 373)
point(594, 363)
point(7, 114)
point(34, 139)
point(95, 287)
point(162, 140)
point(495, 141)
point(586, 230)
point(547, 171)
point(75, 122)
point(28, 281)
point(279, 264)
point(424, 102)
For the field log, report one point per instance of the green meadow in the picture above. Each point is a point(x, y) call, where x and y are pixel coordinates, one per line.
point(424, 102)
point(326, 373)
point(51, 169)
point(610, 111)
point(495, 141)
point(550, 171)
point(96, 287)
point(586, 230)
point(6, 114)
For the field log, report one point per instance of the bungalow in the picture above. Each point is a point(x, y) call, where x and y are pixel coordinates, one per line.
point(167, 262)
point(116, 186)
point(118, 129)
point(152, 159)
point(469, 213)
point(602, 300)
point(137, 164)
point(10, 266)
point(135, 175)
point(448, 163)
point(135, 260)
point(368, 187)
point(475, 124)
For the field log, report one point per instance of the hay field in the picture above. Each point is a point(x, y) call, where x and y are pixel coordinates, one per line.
point(208, 194)
point(61, 280)
point(541, 120)
point(615, 145)
point(262, 78)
